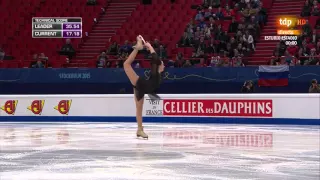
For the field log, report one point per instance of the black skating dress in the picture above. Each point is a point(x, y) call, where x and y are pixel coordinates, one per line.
point(149, 86)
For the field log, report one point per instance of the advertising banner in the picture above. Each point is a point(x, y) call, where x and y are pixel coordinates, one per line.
point(228, 106)
point(218, 107)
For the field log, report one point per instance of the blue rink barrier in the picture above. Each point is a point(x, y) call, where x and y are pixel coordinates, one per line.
point(175, 80)
point(198, 120)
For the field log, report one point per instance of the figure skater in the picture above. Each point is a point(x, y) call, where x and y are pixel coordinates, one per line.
point(142, 86)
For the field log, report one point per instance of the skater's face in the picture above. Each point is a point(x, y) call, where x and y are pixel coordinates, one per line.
point(161, 67)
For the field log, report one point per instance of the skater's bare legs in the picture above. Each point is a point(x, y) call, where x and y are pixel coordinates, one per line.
point(139, 109)
point(133, 77)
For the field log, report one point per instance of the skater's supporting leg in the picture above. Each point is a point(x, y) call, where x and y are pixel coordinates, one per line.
point(139, 109)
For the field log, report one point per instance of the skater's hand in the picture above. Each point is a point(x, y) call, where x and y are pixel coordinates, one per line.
point(149, 47)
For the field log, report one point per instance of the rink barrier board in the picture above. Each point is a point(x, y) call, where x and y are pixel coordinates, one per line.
point(172, 108)
point(197, 120)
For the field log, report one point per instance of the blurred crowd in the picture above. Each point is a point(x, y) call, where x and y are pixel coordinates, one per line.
point(220, 35)
point(224, 35)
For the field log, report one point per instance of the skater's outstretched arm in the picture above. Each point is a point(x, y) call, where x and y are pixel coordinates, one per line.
point(155, 61)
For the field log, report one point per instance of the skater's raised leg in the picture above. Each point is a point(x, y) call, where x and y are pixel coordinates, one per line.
point(132, 75)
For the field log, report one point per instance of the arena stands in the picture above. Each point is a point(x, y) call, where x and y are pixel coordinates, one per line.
point(117, 13)
point(266, 48)
point(165, 23)
point(161, 20)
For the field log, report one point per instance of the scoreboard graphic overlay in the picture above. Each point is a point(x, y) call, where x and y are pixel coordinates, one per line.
point(47, 27)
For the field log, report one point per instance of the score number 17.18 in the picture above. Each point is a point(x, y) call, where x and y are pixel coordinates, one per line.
point(73, 33)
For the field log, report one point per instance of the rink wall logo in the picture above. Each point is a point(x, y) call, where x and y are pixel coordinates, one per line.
point(10, 106)
point(154, 107)
point(218, 107)
point(218, 138)
point(36, 107)
point(63, 107)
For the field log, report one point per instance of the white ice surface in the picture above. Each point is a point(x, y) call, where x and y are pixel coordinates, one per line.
point(110, 151)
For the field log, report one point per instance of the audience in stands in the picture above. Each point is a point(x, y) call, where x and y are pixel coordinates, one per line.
point(156, 44)
point(67, 49)
point(237, 61)
point(211, 3)
point(38, 64)
point(317, 26)
point(186, 40)
point(91, 2)
point(218, 15)
point(103, 11)
point(306, 29)
point(315, 37)
point(102, 60)
point(200, 15)
point(315, 11)
point(315, 87)
point(162, 52)
point(120, 60)
point(2, 54)
point(215, 61)
point(34, 60)
point(179, 60)
point(262, 14)
point(306, 10)
point(208, 14)
point(43, 57)
point(312, 8)
point(248, 40)
point(313, 58)
point(113, 49)
point(187, 64)
point(233, 27)
point(213, 32)
point(125, 49)
point(275, 60)
point(247, 87)
point(201, 63)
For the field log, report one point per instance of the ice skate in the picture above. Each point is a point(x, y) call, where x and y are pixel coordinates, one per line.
point(139, 45)
point(141, 133)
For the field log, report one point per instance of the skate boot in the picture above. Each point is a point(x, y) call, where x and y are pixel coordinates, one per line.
point(140, 133)
point(139, 45)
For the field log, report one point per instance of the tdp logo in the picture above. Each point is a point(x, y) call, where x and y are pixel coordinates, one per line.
point(286, 22)
point(63, 106)
point(291, 22)
point(10, 106)
point(36, 106)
